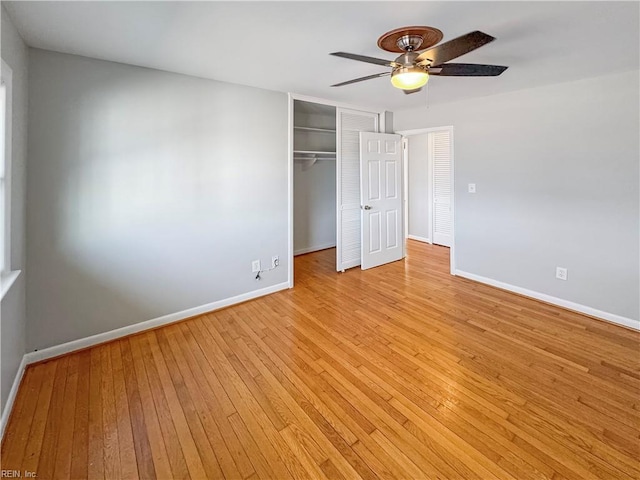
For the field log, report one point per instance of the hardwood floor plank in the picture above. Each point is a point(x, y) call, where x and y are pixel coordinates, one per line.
point(36, 433)
point(185, 436)
point(157, 444)
point(80, 455)
point(64, 445)
point(49, 447)
point(281, 460)
point(302, 454)
point(109, 419)
point(96, 441)
point(200, 437)
point(142, 446)
point(204, 400)
point(308, 398)
point(128, 466)
point(140, 346)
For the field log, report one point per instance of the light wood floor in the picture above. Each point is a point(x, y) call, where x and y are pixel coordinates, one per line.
point(397, 372)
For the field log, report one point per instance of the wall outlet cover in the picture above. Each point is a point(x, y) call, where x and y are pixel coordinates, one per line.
point(561, 273)
point(255, 266)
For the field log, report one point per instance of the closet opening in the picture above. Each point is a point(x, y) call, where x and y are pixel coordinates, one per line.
point(314, 177)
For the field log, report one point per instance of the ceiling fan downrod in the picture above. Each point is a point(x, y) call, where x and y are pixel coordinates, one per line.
point(409, 43)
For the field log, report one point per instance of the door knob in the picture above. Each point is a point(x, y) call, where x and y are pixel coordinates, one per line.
point(367, 207)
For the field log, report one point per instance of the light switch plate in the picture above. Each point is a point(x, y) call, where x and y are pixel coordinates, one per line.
point(472, 188)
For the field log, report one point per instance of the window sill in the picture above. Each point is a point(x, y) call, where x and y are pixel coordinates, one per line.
point(6, 280)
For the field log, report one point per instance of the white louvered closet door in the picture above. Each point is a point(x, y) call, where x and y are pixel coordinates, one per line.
point(440, 152)
point(349, 125)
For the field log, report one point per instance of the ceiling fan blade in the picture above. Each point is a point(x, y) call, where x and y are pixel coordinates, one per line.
point(409, 92)
point(362, 79)
point(467, 70)
point(363, 58)
point(454, 48)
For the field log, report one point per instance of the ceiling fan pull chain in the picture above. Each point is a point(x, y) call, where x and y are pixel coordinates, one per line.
point(427, 96)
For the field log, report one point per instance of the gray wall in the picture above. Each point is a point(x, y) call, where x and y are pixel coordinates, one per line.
point(149, 193)
point(12, 309)
point(418, 188)
point(557, 171)
point(314, 201)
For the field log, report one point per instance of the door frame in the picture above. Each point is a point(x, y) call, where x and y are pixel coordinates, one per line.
point(421, 131)
point(291, 97)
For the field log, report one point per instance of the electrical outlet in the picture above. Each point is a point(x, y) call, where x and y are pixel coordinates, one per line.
point(472, 188)
point(255, 266)
point(561, 273)
point(275, 261)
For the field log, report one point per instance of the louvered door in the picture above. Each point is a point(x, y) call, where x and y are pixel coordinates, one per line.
point(440, 152)
point(349, 125)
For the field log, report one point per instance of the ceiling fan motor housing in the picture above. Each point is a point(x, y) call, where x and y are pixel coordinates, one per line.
point(408, 60)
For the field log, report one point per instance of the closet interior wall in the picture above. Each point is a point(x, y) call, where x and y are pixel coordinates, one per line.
point(314, 177)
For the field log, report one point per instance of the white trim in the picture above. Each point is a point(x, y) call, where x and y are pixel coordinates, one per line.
point(405, 191)
point(6, 280)
point(324, 101)
point(6, 77)
point(576, 307)
point(302, 251)
point(419, 239)
point(81, 343)
point(429, 186)
point(452, 248)
point(339, 266)
point(382, 122)
point(12, 396)
point(290, 134)
point(419, 131)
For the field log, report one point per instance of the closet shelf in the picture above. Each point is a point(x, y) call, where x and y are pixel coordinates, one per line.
point(314, 152)
point(315, 129)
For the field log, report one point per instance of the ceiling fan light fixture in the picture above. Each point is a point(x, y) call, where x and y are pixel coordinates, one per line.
point(409, 78)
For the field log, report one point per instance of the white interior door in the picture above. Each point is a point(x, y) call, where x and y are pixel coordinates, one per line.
point(349, 125)
point(440, 153)
point(381, 193)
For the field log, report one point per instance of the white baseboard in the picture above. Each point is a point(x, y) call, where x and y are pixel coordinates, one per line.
point(81, 343)
point(419, 239)
point(12, 397)
point(301, 251)
point(576, 307)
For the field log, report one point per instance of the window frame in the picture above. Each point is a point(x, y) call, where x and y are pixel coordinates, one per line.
point(7, 275)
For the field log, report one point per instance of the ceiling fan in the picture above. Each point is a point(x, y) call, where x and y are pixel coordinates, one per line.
point(411, 70)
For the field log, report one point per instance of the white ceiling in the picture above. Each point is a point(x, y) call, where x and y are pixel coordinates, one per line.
point(284, 45)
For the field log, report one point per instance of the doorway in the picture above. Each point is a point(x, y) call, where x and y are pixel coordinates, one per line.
point(429, 187)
